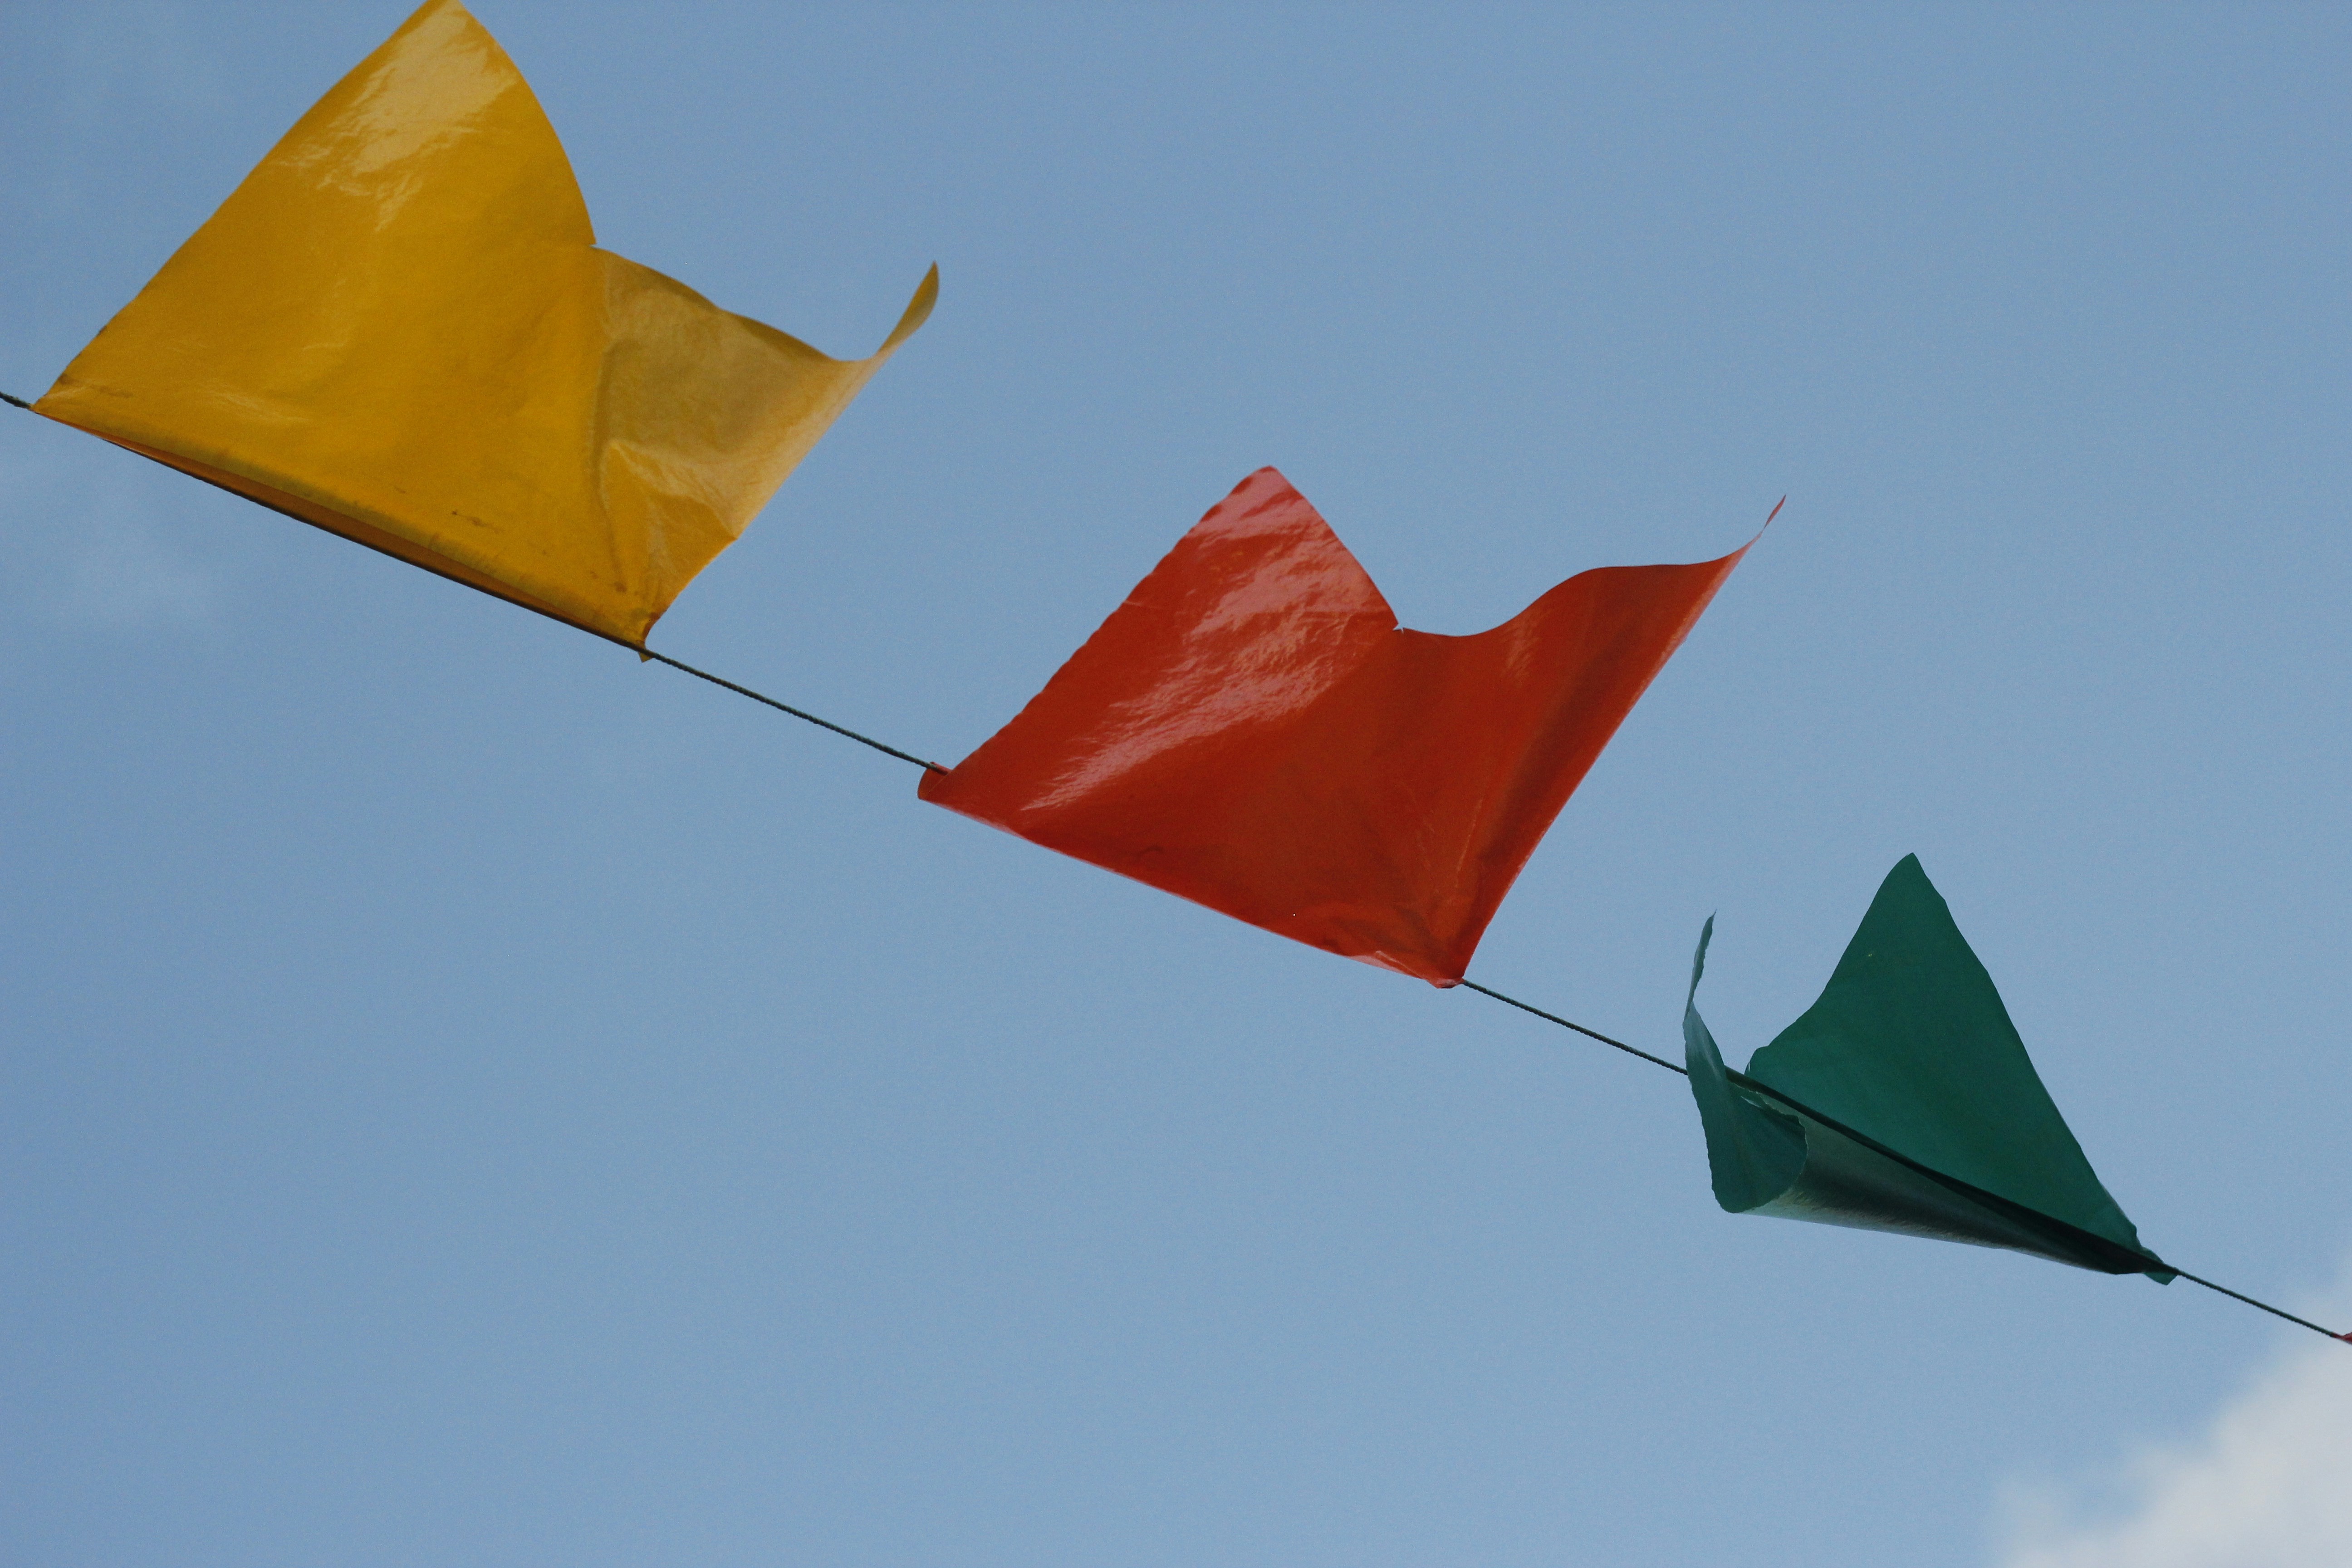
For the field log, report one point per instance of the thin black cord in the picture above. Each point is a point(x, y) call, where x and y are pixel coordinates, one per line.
point(1482, 990)
point(2265, 1306)
point(1589, 1034)
point(788, 708)
point(1661, 1061)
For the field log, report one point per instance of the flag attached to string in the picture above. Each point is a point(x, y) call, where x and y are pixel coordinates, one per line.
point(1252, 731)
point(400, 328)
point(1904, 1100)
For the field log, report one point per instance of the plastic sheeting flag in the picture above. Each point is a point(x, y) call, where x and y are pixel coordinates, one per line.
point(1904, 1100)
point(1252, 731)
point(399, 328)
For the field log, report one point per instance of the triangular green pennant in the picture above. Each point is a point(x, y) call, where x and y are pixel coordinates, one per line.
point(1904, 1100)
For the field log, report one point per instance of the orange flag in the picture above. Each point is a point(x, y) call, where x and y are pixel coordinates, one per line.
point(400, 328)
point(1252, 731)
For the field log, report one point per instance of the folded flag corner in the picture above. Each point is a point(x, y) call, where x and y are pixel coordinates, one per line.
point(1904, 1100)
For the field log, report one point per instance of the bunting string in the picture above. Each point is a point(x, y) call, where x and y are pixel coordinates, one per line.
point(1548, 1017)
point(795, 712)
point(1747, 1082)
point(932, 768)
point(1565, 1023)
point(1483, 990)
point(2265, 1306)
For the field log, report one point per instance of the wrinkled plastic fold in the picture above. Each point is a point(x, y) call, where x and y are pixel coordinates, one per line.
point(1904, 1100)
point(399, 328)
point(1252, 731)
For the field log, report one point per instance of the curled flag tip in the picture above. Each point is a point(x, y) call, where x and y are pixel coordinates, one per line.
point(400, 328)
point(1904, 1100)
point(1252, 731)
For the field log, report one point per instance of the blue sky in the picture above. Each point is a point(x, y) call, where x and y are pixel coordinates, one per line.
point(467, 1097)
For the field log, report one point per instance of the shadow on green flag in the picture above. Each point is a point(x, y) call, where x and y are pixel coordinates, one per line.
point(1904, 1100)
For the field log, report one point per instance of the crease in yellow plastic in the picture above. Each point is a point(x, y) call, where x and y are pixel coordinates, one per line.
point(400, 328)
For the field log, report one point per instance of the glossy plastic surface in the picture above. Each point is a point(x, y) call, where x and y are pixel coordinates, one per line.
point(1252, 731)
point(1904, 1100)
point(399, 328)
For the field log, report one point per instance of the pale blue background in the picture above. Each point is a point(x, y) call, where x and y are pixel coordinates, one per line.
point(470, 1098)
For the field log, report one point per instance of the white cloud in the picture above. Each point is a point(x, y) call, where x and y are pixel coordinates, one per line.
point(2266, 1485)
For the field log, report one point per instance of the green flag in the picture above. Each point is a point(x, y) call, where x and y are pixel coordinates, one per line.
point(1904, 1100)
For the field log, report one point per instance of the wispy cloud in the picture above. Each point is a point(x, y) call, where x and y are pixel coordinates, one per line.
point(2264, 1486)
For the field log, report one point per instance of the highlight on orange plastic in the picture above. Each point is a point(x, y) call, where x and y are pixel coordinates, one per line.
point(399, 328)
point(1252, 731)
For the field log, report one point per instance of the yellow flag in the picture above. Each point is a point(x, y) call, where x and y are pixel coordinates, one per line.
point(399, 328)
